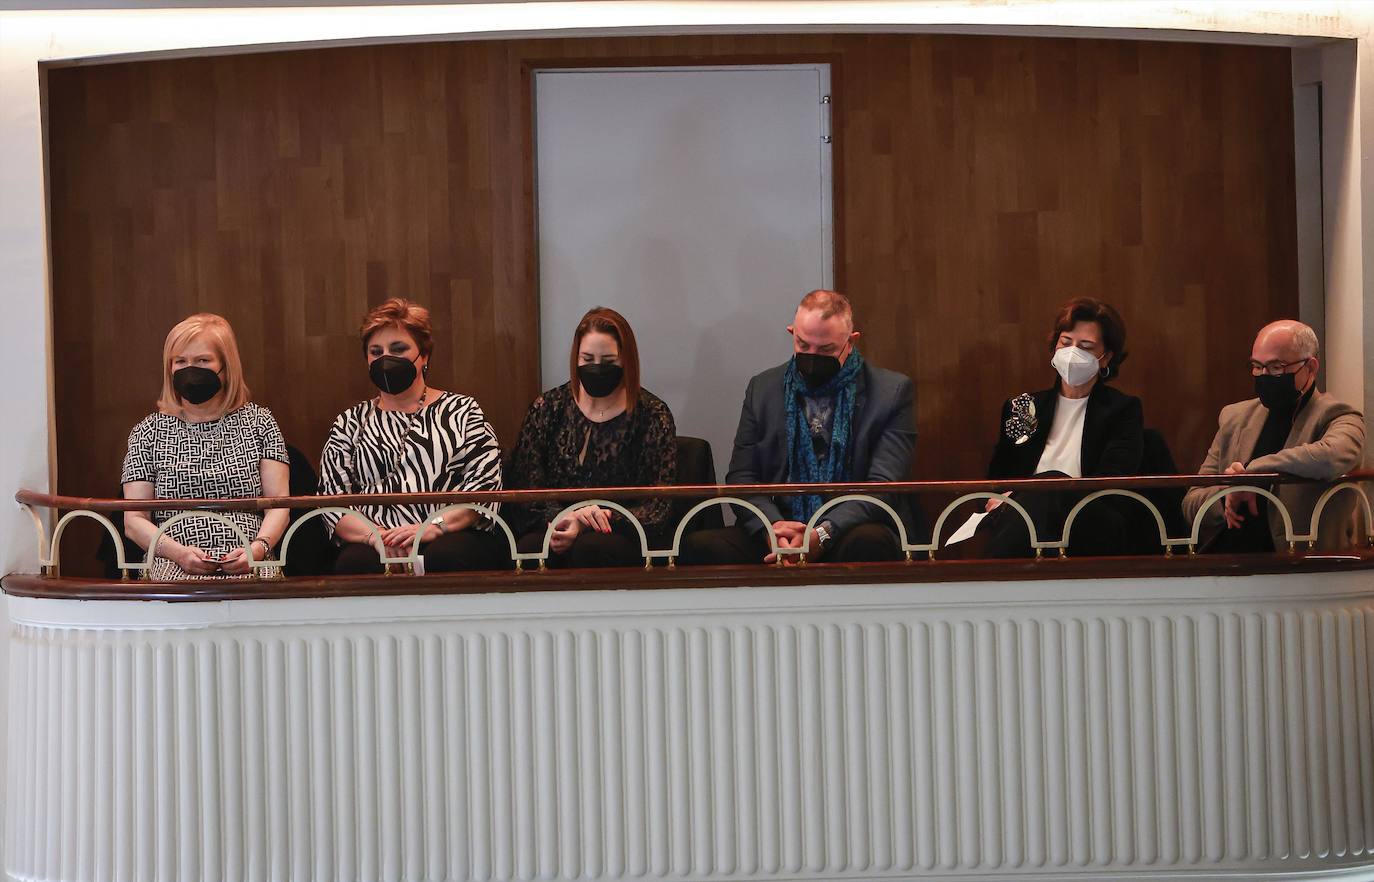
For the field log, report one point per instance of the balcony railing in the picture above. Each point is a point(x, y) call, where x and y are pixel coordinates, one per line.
point(1295, 534)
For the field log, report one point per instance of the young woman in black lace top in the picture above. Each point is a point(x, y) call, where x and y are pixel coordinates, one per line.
point(600, 429)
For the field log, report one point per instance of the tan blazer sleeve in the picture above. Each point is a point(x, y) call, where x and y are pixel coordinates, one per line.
point(1336, 452)
point(1212, 465)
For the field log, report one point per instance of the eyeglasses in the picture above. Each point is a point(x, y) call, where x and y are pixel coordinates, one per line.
point(1274, 368)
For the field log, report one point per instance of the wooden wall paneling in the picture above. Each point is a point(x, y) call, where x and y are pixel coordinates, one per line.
point(985, 180)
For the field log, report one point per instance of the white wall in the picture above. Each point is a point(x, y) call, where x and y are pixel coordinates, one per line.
point(1346, 292)
point(1343, 240)
point(697, 202)
point(28, 38)
point(1307, 161)
point(1152, 729)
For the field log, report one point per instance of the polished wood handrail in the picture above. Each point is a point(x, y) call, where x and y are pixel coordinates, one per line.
point(687, 491)
point(757, 575)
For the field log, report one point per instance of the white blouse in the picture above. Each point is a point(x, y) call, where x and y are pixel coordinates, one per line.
point(1064, 448)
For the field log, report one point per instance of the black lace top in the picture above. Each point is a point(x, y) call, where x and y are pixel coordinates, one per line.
point(560, 447)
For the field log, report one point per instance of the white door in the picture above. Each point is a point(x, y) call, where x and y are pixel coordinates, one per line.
point(695, 201)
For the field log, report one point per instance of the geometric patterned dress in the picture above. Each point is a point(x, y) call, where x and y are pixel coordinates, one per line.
point(220, 459)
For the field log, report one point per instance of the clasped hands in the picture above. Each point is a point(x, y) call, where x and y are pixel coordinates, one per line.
point(198, 562)
point(1236, 505)
point(399, 540)
point(790, 535)
point(567, 529)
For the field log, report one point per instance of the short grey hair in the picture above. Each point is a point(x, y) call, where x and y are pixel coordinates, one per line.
point(1304, 340)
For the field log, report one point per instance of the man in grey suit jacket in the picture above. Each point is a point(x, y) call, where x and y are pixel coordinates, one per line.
point(823, 416)
point(1290, 428)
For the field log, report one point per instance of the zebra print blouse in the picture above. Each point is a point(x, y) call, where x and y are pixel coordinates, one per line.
point(447, 445)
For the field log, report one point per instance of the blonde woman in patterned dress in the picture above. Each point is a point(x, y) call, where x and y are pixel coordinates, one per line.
point(207, 440)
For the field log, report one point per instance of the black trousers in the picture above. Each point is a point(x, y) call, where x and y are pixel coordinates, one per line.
point(1251, 537)
point(618, 548)
point(736, 545)
point(451, 552)
point(1099, 529)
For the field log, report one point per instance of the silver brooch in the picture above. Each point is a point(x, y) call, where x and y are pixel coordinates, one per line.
point(1021, 425)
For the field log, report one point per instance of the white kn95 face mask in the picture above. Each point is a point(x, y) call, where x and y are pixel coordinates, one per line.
point(1075, 366)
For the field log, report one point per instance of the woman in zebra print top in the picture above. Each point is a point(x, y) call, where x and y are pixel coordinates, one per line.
point(411, 438)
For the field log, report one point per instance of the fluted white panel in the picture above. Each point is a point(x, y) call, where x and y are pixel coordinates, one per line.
point(828, 742)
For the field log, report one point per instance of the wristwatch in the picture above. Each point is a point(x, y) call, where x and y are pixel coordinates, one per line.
point(823, 533)
point(438, 521)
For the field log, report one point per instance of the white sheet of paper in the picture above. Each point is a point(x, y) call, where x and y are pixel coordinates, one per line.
point(968, 528)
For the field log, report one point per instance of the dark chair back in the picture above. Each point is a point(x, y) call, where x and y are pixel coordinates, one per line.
point(106, 552)
point(1144, 533)
point(311, 552)
point(695, 465)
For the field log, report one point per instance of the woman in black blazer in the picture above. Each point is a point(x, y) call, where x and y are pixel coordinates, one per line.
point(1080, 428)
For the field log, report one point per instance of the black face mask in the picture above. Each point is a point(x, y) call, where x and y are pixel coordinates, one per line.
point(816, 370)
point(1279, 393)
point(196, 384)
point(392, 374)
point(600, 380)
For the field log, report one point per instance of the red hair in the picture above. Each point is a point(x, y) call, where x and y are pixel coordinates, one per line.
point(400, 313)
point(607, 321)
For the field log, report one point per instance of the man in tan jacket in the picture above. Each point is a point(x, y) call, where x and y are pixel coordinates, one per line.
point(1292, 428)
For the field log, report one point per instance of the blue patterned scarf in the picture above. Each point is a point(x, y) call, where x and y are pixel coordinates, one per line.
point(802, 465)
